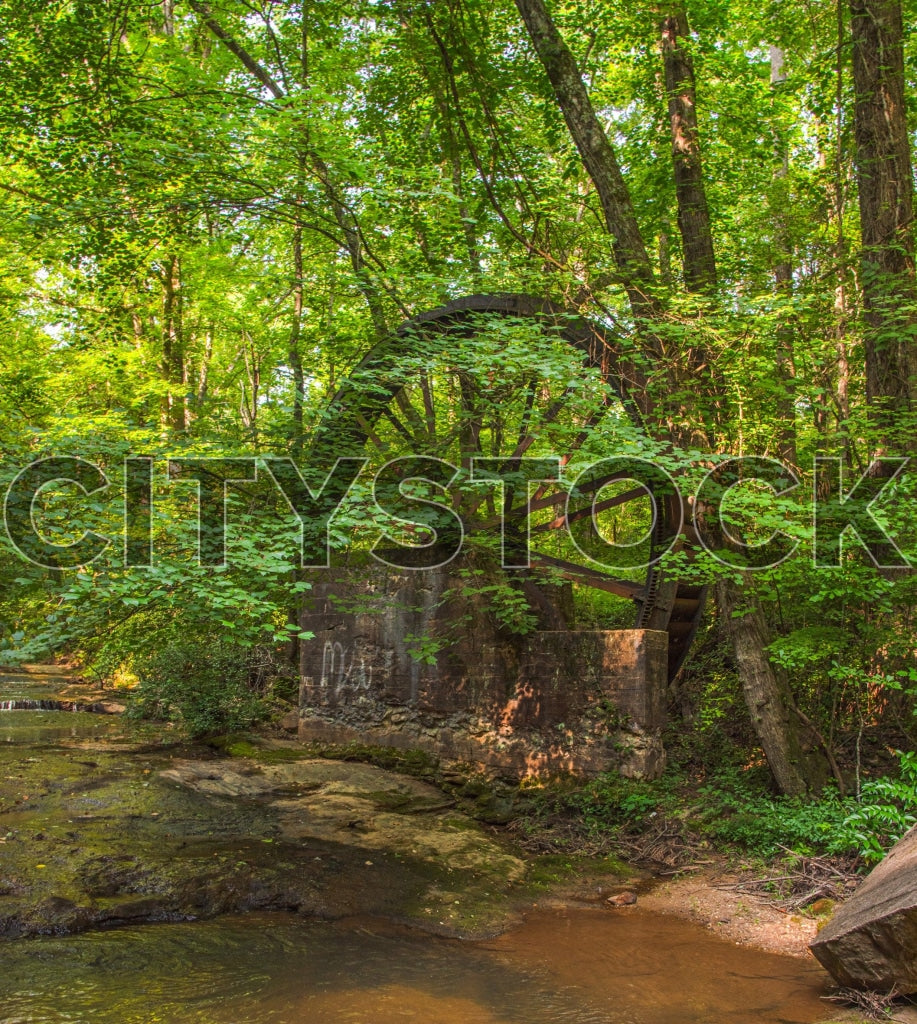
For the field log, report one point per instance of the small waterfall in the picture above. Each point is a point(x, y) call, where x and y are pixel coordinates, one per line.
point(53, 705)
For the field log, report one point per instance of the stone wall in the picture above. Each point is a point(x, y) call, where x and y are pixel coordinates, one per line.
point(403, 660)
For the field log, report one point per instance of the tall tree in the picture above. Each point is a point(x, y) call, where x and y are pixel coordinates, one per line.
point(783, 276)
point(886, 194)
point(597, 154)
point(690, 192)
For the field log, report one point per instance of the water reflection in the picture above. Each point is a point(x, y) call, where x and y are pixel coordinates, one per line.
point(39, 727)
point(575, 968)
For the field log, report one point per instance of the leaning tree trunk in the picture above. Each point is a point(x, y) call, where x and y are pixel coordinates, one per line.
point(885, 181)
point(627, 245)
point(597, 154)
point(767, 696)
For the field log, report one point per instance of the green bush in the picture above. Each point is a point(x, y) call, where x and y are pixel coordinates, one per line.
point(887, 808)
point(767, 826)
point(734, 809)
point(204, 685)
point(868, 826)
point(611, 801)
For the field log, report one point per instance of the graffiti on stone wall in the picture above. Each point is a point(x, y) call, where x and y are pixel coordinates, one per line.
point(344, 672)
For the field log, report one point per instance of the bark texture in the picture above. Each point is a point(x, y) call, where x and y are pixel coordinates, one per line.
point(693, 212)
point(885, 181)
point(769, 699)
point(596, 151)
point(785, 396)
point(294, 354)
point(767, 695)
point(173, 346)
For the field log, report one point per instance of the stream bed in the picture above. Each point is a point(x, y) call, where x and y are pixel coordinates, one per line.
point(123, 866)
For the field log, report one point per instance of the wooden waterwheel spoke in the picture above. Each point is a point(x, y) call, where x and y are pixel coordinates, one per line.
point(370, 433)
point(578, 442)
point(523, 445)
point(428, 406)
point(411, 415)
point(527, 439)
point(551, 414)
point(527, 412)
point(593, 577)
point(415, 425)
point(399, 426)
point(542, 489)
point(557, 498)
point(524, 442)
point(470, 419)
point(584, 513)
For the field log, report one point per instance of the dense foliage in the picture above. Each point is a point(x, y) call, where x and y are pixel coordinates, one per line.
point(210, 213)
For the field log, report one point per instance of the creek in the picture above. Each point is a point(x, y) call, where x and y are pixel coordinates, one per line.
point(103, 834)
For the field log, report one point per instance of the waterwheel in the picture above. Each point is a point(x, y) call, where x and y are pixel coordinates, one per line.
point(508, 377)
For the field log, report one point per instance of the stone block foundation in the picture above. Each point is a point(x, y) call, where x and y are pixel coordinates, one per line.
point(406, 660)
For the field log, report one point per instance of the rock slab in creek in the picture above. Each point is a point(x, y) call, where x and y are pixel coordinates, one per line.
point(871, 942)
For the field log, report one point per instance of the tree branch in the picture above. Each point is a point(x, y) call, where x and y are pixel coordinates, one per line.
point(251, 65)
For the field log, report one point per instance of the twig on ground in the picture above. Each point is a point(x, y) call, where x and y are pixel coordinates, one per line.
point(874, 1005)
point(807, 880)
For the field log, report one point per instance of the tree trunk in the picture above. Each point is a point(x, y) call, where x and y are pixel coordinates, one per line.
point(783, 279)
point(885, 181)
point(841, 290)
point(631, 260)
point(597, 154)
point(295, 356)
point(173, 354)
point(767, 695)
point(769, 703)
point(693, 213)
point(203, 376)
point(698, 256)
point(168, 17)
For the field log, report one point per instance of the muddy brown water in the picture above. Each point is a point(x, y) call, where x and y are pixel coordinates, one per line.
point(559, 967)
point(573, 967)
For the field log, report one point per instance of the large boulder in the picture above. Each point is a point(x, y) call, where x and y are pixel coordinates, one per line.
point(871, 942)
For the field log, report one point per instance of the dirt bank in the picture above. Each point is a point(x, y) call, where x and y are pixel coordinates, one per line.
point(712, 897)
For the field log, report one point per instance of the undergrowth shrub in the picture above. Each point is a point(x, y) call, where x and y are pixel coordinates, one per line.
point(887, 808)
point(207, 686)
point(733, 809)
point(735, 814)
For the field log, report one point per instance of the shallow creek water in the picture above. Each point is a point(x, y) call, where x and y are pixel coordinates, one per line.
point(572, 967)
point(43, 727)
point(559, 967)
